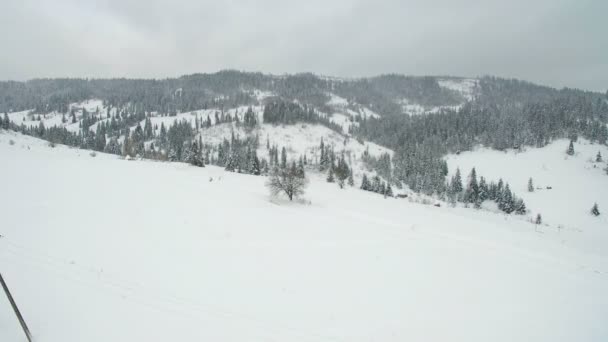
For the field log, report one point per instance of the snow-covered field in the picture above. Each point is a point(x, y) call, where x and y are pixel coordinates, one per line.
point(103, 249)
point(576, 181)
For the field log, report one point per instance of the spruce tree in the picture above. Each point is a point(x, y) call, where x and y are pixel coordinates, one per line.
point(506, 202)
point(472, 192)
point(456, 184)
point(283, 158)
point(570, 150)
point(595, 211)
point(483, 190)
point(520, 207)
point(365, 183)
point(389, 191)
point(300, 170)
point(330, 176)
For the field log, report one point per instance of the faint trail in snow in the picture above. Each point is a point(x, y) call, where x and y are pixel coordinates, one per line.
point(136, 292)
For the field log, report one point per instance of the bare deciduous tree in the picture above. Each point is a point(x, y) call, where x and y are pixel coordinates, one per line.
point(287, 181)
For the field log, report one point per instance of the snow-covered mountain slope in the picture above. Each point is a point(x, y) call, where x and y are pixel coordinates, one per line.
point(299, 139)
point(104, 249)
point(346, 114)
point(467, 87)
point(575, 182)
point(94, 107)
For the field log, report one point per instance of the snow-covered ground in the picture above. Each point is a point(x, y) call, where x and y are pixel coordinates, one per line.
point(103, 249)
point(299, 139)
point(465, 86)
point(576, 181)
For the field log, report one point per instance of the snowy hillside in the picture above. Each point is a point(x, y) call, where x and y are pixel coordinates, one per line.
point(576, 182)
point(104, 249)
point(466, 87)
point(298, 139)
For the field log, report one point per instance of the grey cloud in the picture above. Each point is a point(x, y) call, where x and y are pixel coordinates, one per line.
point(554, 42)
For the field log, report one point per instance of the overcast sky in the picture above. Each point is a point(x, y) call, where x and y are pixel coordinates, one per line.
point(553, 42)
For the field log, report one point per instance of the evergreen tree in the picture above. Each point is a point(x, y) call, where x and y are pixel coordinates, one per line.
point(351, 180)
point(365, 185)
point(283, 158)
point(6, 122)
point(598, 157)
point(330, 176)
point(539, 219)
point(255, 166)
point(472, 191)
point(595, 210)
point(376, 184)
point(570, 150)
point(483, 190)
point(530, 185)
point(300, 169)
point(456, 184)
point(173, 155)
point(194, 156)
point(506, 203)
point(389, 191)
point(520, 207)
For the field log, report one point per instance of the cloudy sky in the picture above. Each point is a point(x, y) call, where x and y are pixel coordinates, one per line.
point(553, 42)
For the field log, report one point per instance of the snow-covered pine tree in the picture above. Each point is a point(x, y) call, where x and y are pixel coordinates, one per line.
point(330, 176)
point(472, 191)
point(499, 191)
point(389, 191)
point(6, 122)
point(376, 184)
point(598, 157)
point(570, 150)
point(456, 185)
point(283, 158)
point(595, 211)
point(300, 170)
point(520, 206)
point(172, 154)
point(539, 219)
point(483, 190)
point(365, 183)
point(530, 185)
point(506, 202)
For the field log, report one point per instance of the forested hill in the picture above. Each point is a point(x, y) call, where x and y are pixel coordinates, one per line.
point(386, 94)
point(420, 118)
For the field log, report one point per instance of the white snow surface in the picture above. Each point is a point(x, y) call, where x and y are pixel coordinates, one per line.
point(104, 249)
point(465, 86)
point(576, 181)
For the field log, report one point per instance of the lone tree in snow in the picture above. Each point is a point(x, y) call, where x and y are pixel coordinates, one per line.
point(570, 150)
point(594, 210)
point(530, 185)
point(598, 157)
point(287, 181)
point(539, 219)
